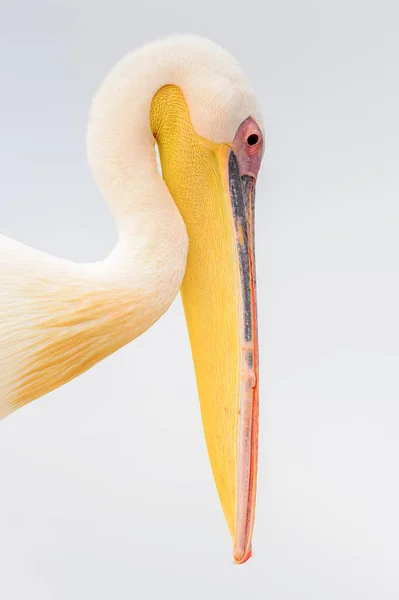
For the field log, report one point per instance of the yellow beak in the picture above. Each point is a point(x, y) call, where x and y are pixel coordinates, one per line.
point(219, 298)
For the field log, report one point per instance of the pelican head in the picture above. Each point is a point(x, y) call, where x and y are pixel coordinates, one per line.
point(191, 229)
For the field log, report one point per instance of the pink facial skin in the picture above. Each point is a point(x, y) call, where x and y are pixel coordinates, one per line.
point(248, 146)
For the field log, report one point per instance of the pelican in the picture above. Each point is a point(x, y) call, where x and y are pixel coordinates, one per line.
point(189, 229)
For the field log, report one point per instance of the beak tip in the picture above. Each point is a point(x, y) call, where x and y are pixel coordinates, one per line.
point(240, 556)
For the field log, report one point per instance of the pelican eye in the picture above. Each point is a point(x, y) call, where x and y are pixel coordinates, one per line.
point(252, 139)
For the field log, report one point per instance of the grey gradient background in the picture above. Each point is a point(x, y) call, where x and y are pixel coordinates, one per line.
point(105, 487)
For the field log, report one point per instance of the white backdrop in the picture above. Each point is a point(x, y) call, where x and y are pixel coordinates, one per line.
point(105, 487)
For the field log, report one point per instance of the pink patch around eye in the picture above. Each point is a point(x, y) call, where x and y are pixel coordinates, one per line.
point(248, 145)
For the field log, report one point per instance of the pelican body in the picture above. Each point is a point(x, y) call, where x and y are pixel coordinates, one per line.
point(191, 229)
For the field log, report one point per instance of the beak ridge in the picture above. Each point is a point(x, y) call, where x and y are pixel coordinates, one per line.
point(242, 191)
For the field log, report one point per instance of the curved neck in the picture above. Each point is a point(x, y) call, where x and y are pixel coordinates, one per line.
point(121, 152)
